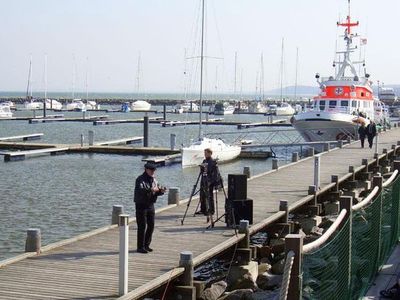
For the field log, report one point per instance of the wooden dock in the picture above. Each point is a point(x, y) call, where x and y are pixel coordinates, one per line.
point(126, 121)
point(86, 267)
point(127, 141)
point(25, 137)
point(21, 155)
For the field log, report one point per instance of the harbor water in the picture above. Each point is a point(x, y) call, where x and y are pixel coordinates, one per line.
point(70, 194)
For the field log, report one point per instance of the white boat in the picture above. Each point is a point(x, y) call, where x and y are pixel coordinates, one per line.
point(194, 154)
point(92, 105)
point(76, 105)
point(284, 110)
point(33, 104)
point(140, 105)
point(52, 104)
point(223, 109)
point(5, 111)
point(343, 103)
point(186, 107)
point(9, 103)
point(257, 107)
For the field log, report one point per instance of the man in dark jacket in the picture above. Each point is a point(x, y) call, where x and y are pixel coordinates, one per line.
point(362, 132)
point(209, 181)
point(146, 192)
point(371, 133)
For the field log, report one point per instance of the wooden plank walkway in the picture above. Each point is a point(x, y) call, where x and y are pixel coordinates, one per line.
point(88, 268)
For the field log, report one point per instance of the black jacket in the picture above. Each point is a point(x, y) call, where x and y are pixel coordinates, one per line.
point(212, 171)
point(143, 195)
point(371, 130)
point(362, 131)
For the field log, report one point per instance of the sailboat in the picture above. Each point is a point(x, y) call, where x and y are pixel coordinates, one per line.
point(30, 103)
point(76, 104)
point(193, 155)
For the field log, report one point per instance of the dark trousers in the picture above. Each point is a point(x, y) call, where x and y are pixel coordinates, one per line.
point(207, 199)
point(145, 223)
point(370, 140)
point(362, 140)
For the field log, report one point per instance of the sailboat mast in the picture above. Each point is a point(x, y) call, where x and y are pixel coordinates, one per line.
point(235, 77)
point(201, 68)
point(28, 88)
point(73, 77)
point(297, 64)
point(138, 75)
point(282, 70)
point(86, 80)
point(45, 86)
point(262, 77)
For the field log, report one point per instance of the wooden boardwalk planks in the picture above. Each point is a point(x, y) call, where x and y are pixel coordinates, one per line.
point(88, 268)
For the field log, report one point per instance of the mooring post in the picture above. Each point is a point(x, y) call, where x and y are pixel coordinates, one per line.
point(340, 143)
point(33, 241)
point(247, 171)
point(364, 162)
point(173, 195)
point(164, 112)
point(91, 137)
point(186, 262)
point(294, 242)
point(377, 181)
point(284, 206)
point(295, 157)
point(327, 147)
point(116, 211)
point(244, 229)
point(335, 179)
point(317, 171)
point(123, 253)
point(275, 165)
point(310, 152)
point(172, 141)
point(82, 139)
point(145, 131)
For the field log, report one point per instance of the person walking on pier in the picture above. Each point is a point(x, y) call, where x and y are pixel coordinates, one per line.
point(371, 133)
point(146, 192)
point(362, 132)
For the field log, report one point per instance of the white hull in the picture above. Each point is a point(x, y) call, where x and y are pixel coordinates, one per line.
point(226, 111)
point(194, 154)
point(326, 126)
point(284, 111)
point(5, 112)
point(76, 105)
point(33, 105)
point(140, 105)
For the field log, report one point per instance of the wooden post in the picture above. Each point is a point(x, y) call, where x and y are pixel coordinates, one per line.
point(244, 229)
point(335, 179)
point(247, 171)
point(165, 112)
point(364, 162)
point(294, 242)
point(145, 131)
point(123, 253)
point(186, 261)
point(173, 195)
point(295, 157)
point(351, 170)
point(172, 141)
point(91, 137)
point(116, 211)
point(275, 165)
point(317, 171)
point(284, 206)
point(377, 181)
point(33, 241)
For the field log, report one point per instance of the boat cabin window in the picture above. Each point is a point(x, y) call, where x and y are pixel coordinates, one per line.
point(332, 103)
point(344, 103)
point(362, 94)
point(322, 105)
point(353, 103)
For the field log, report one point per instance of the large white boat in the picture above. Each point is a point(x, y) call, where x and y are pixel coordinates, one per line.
point(193, 155)
point(223, 108)
point(76, 105)
point(387, 95)
point(284, 110)
point(5, 111)
point(33, 104)
point(257, 107)
point(51, 104)
point(344, 101)
point(92, 105)
point(140, 105)
point(9, 103)
point(186, 107)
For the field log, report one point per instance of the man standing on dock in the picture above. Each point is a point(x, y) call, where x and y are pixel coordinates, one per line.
point(371, 133)
point(146, 192)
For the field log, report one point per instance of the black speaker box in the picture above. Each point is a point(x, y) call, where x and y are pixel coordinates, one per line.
point(242, 210)
point(237, 186)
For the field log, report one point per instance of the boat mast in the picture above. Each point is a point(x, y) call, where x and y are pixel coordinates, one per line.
point(282, 70)
point(297, 65)
point(262, 78)
point(86, 80)
point(45, 86)
point(201, 69)
point(28, 88)
point(73, 78)
point(235, 77)
point(138, 75)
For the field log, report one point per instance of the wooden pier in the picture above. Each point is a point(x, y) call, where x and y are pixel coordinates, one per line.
point(86, 267)
point(25, 137)
point(127, 141)
point(21, 155)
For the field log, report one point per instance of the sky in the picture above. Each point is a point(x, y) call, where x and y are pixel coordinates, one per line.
point(102, 40)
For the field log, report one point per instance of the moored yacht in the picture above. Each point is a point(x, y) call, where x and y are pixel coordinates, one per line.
point(223, 108)
point(344, 102)
point(140, 105)
point(285, 109)
point(387, 95)
point(5, 111)
point(76, 105)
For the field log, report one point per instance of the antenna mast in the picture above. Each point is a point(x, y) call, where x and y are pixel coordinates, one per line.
point(201, 68)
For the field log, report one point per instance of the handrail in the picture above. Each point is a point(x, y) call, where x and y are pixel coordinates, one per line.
point(317, 243)
point(366, 200)
point(391, 179)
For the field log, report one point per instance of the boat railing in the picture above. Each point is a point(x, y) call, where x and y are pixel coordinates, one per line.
point(339, 109)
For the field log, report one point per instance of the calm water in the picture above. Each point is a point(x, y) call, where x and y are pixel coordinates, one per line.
point(70, 194)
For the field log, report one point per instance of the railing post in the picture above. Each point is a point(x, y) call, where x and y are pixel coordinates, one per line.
point(317, 171)
point(244, 229)
point(340, 143)
point(327, 147)
point(346, 202)
point(123, 253)
point(284, 206)
point(275, 164)
point(173, 195)
point(310, 152)
point(295, 157)
point(116, 211)
point(186, 262)
point(247, 171)
point(294, 242)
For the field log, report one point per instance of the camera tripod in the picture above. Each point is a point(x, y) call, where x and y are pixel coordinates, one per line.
point(204, 196)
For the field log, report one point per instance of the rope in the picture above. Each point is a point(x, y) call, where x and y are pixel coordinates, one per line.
point(166, 287)
point(286, 275)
